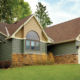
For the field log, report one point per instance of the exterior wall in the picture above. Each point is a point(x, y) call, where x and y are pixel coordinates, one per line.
point(43, 49)
point(78, 48)
point(5, 51)
point(28, 59)
point(65, 53)
point(66, 59)
point(31, 25)
point(19, 47)
point(63, 49)
point(5, 54)
point(23, 56)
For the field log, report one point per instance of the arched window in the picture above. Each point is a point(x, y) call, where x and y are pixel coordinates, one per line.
point(32, 40)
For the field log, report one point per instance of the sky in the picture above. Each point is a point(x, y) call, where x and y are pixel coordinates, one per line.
point(59, 10)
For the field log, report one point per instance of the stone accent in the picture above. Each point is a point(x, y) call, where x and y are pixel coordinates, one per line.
point(31, 59)
point(66, 59)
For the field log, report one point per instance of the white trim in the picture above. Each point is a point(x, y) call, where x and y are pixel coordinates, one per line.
point(48, 38)
point(64, 41)
point(78, 38)
point(13, 35)
point(7, 31)
point(3, 34)
point(25, 39)
point(79, 55)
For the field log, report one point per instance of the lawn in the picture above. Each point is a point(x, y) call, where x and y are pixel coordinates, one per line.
point(47, 72)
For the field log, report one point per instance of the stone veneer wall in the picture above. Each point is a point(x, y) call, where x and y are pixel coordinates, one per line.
point(31, 59)
point(66, 59)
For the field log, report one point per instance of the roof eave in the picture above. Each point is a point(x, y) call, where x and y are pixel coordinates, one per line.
point(61, 42)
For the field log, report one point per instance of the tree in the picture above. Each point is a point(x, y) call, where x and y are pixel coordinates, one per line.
point(42, 15)
point(23, 9)
point(10, 9)
point(6, 10)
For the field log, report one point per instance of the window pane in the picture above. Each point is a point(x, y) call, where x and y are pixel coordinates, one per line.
point(32, 45)
point(32, 35)
point(27, 44)
point(37, 45)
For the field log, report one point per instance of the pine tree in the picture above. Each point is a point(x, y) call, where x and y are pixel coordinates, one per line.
point(42, 15)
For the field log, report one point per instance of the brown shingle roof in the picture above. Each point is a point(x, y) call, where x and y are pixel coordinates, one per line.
point(65, 31)
point(12, 27)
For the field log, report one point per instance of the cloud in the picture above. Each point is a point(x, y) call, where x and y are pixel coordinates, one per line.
point(59, 11)
point(33, 4)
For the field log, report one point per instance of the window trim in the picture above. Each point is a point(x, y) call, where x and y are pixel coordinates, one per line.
point(35, 44)
point(34, 32)
point(38, 40)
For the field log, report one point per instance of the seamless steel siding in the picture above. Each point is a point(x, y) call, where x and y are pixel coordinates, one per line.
point(65, 48)
point(6, 50)
point(19, 46)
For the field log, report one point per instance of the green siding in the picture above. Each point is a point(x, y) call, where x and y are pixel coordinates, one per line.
point(2, 38)
point(43, 49)
point(6, 50)
point(65, 48)
point(19, 46)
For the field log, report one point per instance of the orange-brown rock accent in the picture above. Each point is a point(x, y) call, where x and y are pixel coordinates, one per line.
point(31, 59)
point(66, 59)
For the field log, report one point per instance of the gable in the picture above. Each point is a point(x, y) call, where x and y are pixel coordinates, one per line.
point(31, 25)
point(20, 33)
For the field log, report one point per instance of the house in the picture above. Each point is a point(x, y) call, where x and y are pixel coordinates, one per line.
point(66, 47)
point(25, 42)
point(22, 42)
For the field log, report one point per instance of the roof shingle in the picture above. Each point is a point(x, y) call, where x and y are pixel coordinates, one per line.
point(65, 31)
point(12, 27)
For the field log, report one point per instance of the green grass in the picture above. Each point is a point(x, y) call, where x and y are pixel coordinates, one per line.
point(49, 72)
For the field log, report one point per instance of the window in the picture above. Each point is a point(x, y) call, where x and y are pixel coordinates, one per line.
point(77, 47)
point(32, 44)
point(32, 41)
point(27, 44)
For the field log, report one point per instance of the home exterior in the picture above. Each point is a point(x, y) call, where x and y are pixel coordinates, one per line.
point(66, 47)
point(23, 43)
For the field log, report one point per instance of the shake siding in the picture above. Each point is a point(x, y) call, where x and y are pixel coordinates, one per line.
point(65, 48)
point(31, 25)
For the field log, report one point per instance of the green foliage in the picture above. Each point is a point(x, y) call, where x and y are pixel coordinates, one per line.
point(23, 9)
point(10, 9)
point(6, 10)
point(42, 15)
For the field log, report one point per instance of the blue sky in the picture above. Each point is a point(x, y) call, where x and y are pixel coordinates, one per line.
point(59, 10)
